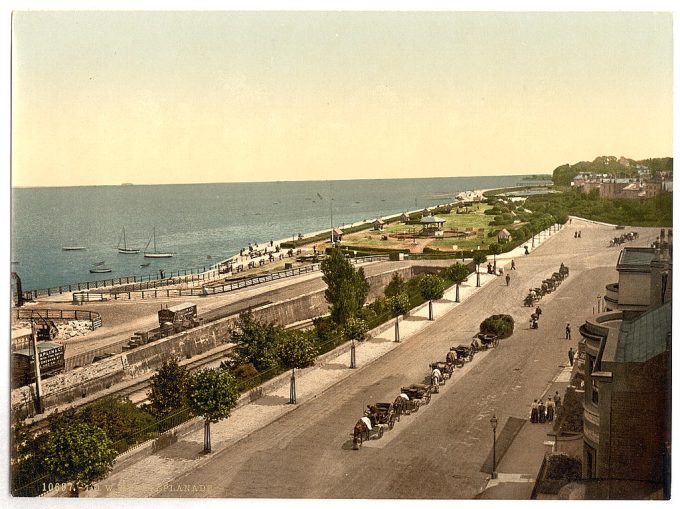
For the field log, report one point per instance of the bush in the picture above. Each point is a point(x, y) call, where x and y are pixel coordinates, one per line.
point(562, 467)
point(570, 417)
point(244, 371)
point(500, 325)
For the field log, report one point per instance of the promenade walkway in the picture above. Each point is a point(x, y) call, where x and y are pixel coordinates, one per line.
point(150, 475)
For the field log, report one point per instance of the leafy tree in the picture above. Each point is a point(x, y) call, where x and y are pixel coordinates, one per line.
point(297, 349)
point(457, 273)
point(256, 342)
point(399, 304)
point(211, 394)
point(478, 257)
point(431, 287)
point(28, 469)
point(355, 329)
point(79, 453)
point(500, 325)
point(168, 388)
point(347, 288)
point(395, 286)
point(119, 418)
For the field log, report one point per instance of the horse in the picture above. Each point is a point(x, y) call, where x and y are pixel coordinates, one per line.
point(361, 432)
point(435, 378)
point(399, 406)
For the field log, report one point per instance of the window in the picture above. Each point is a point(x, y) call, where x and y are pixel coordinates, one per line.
point(595, 392)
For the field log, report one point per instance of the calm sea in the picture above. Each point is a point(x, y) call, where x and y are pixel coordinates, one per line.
point(196, 221)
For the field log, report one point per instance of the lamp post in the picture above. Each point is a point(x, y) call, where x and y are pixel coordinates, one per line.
point(352, 356)
point(494, 423)
point(599, 310)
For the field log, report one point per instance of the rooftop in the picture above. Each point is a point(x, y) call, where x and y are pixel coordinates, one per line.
point(646, 336)
point(635, 257)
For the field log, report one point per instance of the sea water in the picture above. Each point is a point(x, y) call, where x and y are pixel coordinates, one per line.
point(201, 223)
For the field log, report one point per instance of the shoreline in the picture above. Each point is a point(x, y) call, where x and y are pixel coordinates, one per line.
point(475, 193)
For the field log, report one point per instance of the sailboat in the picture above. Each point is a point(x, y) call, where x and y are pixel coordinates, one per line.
point(125, 249)
point(155, 253)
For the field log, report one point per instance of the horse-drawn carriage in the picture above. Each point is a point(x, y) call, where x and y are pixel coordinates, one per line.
point(564, 270)
point(487, 340)
point(548, 285)
point(382, 413)
point(421, 392)
point(531, 299)
point(462, 354)
point(365, 430)
point(441, 371)
point(404, 405)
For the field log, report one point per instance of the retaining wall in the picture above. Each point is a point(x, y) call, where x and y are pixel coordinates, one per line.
point(81, 382)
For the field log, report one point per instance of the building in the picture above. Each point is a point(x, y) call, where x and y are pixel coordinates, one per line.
point(504, 236)
point(627, 357)
point(378, 225)
point(432, 225)
point(404, 218)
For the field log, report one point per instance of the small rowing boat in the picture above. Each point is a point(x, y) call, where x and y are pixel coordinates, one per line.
point(73, 248)
point(99, 270)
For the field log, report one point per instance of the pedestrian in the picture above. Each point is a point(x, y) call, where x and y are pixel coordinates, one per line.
point(538, 312)
point(576, 235)
point(550, 410)
point(579, 234)
point(568, 331)
point(558, 401)
point(570, 353)
point(569, 220)
point(512, 265)
point(534, 412)
point(541, 411)
point(526, 250)
point(507, 279)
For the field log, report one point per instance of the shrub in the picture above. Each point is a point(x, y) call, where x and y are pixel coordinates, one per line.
point(244, 371)
point(562, 467)
point(500, 325)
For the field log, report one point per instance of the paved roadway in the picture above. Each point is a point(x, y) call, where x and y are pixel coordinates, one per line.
point(437, 452)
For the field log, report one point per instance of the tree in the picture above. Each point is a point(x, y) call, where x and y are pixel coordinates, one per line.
point(399, 304)
point(355, 329)
point(494, 249)
point(431, 287)
point(457, 273)
point(297, 349)
point(78, 453)
point(256, 342)
point(168, 388)
point(211, 394)
point(395, 286)
point(347, 288)
point(478, 257)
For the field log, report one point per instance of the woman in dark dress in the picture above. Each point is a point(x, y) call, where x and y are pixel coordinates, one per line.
point(534, 411)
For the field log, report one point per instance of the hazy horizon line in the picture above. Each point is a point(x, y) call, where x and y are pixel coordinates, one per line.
point(133, 184)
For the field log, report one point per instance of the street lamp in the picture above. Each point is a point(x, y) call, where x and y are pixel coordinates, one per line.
point(494, 423)
point(599, 310)
point(352, 356)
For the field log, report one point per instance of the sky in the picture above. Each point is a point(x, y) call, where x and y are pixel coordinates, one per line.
point(102, 98)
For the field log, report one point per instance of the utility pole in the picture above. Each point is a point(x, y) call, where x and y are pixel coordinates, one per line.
point(36, 370)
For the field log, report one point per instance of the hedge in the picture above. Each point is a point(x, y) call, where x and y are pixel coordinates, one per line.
point(500, 325)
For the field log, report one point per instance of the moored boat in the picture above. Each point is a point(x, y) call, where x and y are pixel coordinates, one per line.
point(155, 253)
point(73, 248)
point(99, 270)
point(125, 249)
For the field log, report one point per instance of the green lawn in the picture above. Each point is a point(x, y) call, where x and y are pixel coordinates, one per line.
point(475, 219)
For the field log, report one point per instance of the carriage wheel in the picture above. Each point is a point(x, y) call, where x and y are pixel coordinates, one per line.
point(495, 342)
point(416, 406)
point(381, 430)
point(390, 424)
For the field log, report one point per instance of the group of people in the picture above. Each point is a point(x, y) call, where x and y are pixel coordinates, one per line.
point(545, 412)
point(577, 235)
